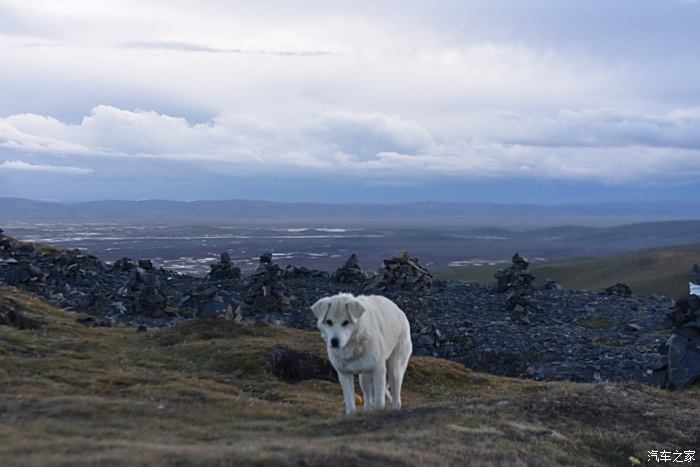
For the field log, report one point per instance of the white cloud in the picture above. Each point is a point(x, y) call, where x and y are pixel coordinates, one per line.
point(20, 166)
point(600, 145)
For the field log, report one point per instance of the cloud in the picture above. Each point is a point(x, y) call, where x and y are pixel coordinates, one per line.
point(607, 128)
point(20, 166)
point(193, 47)
point(599, 145)
point(365, 135)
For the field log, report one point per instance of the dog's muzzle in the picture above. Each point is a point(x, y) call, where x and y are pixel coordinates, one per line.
point(335, 342)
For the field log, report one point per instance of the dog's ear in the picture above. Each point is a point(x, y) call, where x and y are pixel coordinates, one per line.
point(320, 308)
point(355, 309)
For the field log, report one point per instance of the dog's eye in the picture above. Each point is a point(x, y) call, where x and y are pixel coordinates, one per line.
point(329, 322)
point(345, 323)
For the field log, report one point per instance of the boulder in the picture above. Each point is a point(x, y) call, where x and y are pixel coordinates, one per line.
point(11, 316)
point(294, 366)
point(619, 289)
point(683, 360)
point(214, 308)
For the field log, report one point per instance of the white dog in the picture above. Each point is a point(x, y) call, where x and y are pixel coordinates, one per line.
point(369, 336)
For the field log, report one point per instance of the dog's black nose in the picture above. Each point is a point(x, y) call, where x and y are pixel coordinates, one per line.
point(335, 342)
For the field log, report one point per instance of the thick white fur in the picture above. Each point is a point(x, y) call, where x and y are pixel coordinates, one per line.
point(373, 341)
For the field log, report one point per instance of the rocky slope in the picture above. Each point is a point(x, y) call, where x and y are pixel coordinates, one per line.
point(542, 334)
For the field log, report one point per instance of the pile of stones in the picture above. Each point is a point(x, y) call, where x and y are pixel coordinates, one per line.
point(144, 293)
point(266, 289)
point(224, 269)
point(517, 282)
point(403, 273)
point(350, 271)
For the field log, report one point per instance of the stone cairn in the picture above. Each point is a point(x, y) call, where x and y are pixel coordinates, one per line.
point(516, 281)
point(402, 272)
point(143, 290)
point(266, 290)
point(350, 272)
point(682, 350)
point(224, 269)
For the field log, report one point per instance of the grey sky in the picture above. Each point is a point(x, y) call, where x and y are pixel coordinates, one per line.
point(382, 94)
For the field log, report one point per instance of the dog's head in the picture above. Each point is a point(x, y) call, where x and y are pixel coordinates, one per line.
point(337, 318)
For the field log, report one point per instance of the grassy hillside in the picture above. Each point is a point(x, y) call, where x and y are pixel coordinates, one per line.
point(660, 270)
point(202, 393)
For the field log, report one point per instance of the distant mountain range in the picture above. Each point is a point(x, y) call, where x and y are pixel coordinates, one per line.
point(17, 209)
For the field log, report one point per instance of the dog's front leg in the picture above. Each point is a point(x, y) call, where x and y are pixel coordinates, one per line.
point(379, 380)
point(348, 384)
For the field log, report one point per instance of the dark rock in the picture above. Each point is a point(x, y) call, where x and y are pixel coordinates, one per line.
point(293, 272)
point(687, 309)
point(145, 264)
point(619, 289)
point(551, 285)
point(11, 316)
point(294, 366)
point(683, 360)
point(93, 322)
point(124, 264)
point(213, 309)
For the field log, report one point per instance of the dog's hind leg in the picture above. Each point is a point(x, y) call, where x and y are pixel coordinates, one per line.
point(348, 384)
point(367, 386)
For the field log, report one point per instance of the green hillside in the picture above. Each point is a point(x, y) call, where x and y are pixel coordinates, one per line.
point(202, 393)
point(660, 270)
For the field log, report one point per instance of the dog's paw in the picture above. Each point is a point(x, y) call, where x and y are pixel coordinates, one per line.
point(359, 401)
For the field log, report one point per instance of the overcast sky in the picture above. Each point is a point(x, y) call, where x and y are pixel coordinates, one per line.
point(493, 100)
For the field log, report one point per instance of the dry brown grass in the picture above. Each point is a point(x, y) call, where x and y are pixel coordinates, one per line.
point(201, 394)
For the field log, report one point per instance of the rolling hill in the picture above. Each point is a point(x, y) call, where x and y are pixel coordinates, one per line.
point(659, 270)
